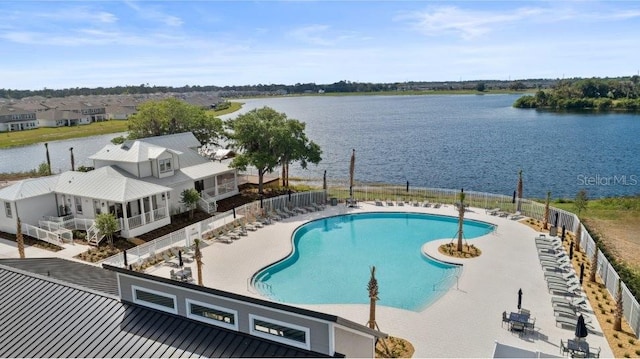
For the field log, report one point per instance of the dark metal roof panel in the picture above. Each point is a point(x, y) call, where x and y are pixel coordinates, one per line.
point(85, 275)
point(44, 317)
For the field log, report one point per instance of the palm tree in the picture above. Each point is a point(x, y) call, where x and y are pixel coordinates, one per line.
point(460, 221)
point(617, 321)
point(594, 266)
point(198, 257)
point(520, 189)
point(578, 237)
point(20, 239)
point(372, 287)
point(545, 220)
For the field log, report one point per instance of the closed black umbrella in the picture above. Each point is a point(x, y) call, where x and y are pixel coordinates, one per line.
point(124, 253)
point(581, 328)
point(520, 298)
point(581, 271)
point(180, 262)
point(514, 197)
point(571, 250)
point(324, 180)
point(555, 222)
point(234, 212)
point(563, 230)
point(261, 201)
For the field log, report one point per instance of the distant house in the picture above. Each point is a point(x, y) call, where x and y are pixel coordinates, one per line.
point(140, 182)
point(16, 119)
point(58, 308)
point(117, 112)
point(60, 118)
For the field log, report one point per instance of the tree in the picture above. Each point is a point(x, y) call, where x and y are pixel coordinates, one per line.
point(372, 287)
point(594, 266)
point(107, 224)
point(520, 189)
point(619, 311)
point(20, 239)
point(460, 221)
point(266, 138)
point(190, 197)
point(168, 116)
point(581, 201)
point(293, 145)
point(198, 258)
point(545, 220)
point(44, 169)
point(481, 87)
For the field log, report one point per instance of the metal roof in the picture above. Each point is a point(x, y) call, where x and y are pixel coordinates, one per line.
point(130, 151)
point(106, 183)
point(32, 187)
point(207, 169)
point(85, 275)
point(42, 317)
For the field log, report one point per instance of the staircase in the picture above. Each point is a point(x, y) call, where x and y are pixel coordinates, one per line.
point(94, 237)
point(207, 203)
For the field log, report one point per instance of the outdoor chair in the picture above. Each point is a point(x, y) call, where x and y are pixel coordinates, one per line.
point(580, 301)
point(517, 327)
point(400, 202)
point(563, 348)
point(389, 203)
point(594, 352)
point(168, 260)
point(437, 205)
point(525, 311)
point(173, 275)
point(320, 207)
point(426, 204)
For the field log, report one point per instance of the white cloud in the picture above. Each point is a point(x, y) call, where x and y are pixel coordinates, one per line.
point(468, 24)
point(151, 13)
point(312, 34)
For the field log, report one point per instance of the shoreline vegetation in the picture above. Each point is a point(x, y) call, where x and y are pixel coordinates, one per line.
point(588, 95)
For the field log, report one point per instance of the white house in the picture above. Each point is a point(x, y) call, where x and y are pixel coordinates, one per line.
point(140, 182)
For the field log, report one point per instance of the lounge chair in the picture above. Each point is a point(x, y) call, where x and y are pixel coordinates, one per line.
point(389, 203)
point(318, 207)
point(571, 281)
point(416, 204)
point(516, 216)
point(493, 212)
point(426, 204)
point(557, 255)
point(437, 205)
point(563, 289)
point(579, 301)
point(571, 323)
point(169, 261)
point(289, 212)
point(561, 276)
point(223, 238)
point(282, 214)
point(379, 203)
point(300, 210)
point(257, 224)
point(400, 202)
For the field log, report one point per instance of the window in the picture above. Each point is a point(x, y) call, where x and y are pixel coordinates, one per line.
point(154, 299)
point(212, 314)
point(78, 201)
point(7, 209)
point(165, 165)
point(279, 331)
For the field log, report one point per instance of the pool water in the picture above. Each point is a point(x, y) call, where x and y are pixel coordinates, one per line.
point(331, 257)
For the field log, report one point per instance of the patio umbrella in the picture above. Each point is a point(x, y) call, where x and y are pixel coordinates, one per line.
point(352, 170)
point(234, 212)
point(407, 186)
point(571, 250)
point(555, 221)
point(261, 201)
point(563, 230)
point(124, 253)
point(581, 271)
point(581, 328)
point(180, 262)
point(514, 197)
point(324, 180)
point(520, 298)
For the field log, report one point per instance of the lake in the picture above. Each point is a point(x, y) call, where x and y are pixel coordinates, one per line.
point(475, 142)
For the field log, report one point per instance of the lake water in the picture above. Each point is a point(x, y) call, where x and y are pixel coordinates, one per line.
point(475, 142)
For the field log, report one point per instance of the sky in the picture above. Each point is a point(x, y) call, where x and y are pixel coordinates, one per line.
point(68, 44)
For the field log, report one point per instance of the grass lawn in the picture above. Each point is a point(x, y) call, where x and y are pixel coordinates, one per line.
point(617, 221)
point(21, 138)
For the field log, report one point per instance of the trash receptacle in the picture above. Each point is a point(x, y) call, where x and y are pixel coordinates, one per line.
point(334, 201)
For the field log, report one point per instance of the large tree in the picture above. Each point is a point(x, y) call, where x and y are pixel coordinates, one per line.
point(294, 145)
point(168, 116)
point(189, 197)
point(265, 138)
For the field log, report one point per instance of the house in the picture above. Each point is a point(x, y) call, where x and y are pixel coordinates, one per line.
point(16, 119)
point(59, 118)
point(117, 112)
point(140, 182)
point(58, 308)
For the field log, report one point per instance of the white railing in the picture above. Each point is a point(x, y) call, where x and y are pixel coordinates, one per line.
point(207, 204)
point(159, 213)
point(42, 234)
point(135, 222)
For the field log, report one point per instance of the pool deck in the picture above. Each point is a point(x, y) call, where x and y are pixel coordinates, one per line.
point(464, 322)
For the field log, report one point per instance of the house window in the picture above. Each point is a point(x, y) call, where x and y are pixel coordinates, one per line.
point(165, 165)
point(7, 209)
point(279, 331)
point(78, 201)
point(212, 314)
point(154, 299)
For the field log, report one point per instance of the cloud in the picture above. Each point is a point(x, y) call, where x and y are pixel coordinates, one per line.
point(77, 14)
point(468, 24)
point(311, 34)
point(154, 14)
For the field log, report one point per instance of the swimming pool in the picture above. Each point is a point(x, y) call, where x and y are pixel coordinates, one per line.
point(330, 260)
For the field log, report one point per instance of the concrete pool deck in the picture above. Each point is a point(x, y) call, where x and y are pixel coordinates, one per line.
point(464, 322)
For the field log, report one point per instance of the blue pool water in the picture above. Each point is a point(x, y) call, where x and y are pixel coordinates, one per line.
point(331, 257)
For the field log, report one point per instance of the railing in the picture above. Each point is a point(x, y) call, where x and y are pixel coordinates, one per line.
point(207, 204)
point(134, 222)
point(159, 213)
point(42, 234)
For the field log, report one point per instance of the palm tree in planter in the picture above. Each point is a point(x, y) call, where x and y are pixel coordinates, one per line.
point(372, 287)
point(617, 321)
point(20, 239)
point(198, 258)
point(578, 237)
point(545, 220)
point(520, 190)
point(190, 197)
point(460, 221)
